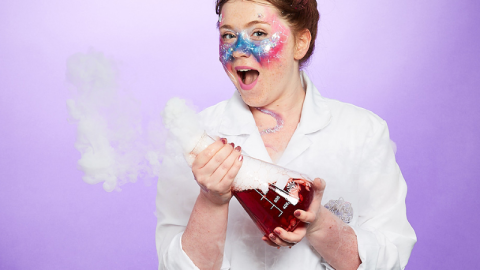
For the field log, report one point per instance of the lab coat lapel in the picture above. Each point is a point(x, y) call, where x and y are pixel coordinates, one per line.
point(315, 116)
point(297, 145)
point(254, 147)
point(238, 124)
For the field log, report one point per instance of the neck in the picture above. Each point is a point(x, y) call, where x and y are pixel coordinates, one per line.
point(278, 120)
point(289, 105)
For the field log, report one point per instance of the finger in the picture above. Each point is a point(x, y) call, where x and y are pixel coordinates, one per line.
point(270, 243)
point(237, 164)
point(217, 160)
point(304, 216)
point(291, 237)
point(208, 153)
point(225, 167)
point(318, 187)
point(278, 241)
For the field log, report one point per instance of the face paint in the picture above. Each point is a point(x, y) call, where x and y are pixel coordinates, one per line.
point(264, 51)
point(277, 117)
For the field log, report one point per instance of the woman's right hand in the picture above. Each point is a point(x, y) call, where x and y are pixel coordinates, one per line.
point(215, 168)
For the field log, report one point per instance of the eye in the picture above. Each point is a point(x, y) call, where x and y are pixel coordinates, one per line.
point(228, 36)
point(259, 34)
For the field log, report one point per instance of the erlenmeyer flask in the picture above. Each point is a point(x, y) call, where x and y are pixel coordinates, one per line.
point(270, 194)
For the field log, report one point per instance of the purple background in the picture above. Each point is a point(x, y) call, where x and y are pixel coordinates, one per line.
point(414, 63)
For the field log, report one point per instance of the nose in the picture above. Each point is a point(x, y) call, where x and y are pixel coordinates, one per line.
point(243, 46)
point(239, 53)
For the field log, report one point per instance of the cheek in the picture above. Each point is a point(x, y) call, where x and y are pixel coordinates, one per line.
point(229, 70)
point(268, 51)
point(225, 52)
point(271, 50)
point(275, 52)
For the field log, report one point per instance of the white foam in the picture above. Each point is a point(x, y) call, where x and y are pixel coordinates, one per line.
point(257, 174)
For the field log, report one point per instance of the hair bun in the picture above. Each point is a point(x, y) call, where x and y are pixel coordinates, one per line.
point(299, 4)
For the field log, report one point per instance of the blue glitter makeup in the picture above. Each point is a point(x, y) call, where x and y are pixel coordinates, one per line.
point(263, 50)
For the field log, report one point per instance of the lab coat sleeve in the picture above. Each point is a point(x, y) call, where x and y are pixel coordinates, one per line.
point(384, 235)
point(176, 194)
point(171, 255)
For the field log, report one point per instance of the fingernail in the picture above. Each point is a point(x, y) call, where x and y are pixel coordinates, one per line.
point(238, 148)
point(273, 236)
point(240, 158)
point(233, 145)
point(277, 232)
point(224, 141)
point(297, 213)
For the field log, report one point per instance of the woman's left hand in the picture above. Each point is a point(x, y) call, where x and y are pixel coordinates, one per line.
point(311, 221)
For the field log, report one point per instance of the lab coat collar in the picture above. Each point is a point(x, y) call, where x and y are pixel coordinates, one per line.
point(238, 120)
point(315, 112)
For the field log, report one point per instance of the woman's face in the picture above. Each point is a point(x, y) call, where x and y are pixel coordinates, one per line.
point(257, 51)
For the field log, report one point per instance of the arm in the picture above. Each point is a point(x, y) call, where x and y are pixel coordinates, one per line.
point(385, 237)
point(335, 241)
point(382, 238)
point(201, 244)
point(204, 238)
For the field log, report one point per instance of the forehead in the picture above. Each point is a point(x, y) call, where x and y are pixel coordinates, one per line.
point(239, 12)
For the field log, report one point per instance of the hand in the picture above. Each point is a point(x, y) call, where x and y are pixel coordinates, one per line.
point(311, 221)
point(215, 168)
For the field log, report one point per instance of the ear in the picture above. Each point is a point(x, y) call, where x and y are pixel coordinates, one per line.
point(302, 43)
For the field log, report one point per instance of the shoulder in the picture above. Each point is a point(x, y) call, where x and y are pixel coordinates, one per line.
point(209, 117)
point(352, 117)
point(211, 113)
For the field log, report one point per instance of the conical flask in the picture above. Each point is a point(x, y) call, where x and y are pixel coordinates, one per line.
point(270, 194)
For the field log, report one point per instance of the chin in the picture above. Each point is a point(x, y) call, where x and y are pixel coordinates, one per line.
point(252, 100)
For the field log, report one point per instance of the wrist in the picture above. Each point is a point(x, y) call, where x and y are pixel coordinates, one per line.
point(212, 201)
point(324, 225)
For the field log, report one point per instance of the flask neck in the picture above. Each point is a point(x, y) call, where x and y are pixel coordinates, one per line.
point(201, 145)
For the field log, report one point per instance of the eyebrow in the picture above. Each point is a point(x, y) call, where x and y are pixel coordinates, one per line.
point(226, 26)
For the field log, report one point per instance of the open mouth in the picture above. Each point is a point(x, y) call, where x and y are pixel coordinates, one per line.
point(248, 77)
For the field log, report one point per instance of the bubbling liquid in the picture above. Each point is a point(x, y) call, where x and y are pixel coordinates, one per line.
point(275, 208)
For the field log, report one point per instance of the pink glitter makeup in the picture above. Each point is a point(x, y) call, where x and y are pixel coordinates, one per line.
point(264, 50)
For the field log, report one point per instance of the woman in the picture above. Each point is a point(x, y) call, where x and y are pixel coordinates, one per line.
point(277, 115)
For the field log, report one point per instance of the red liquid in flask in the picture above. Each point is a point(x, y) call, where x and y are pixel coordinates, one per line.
point(273, 210)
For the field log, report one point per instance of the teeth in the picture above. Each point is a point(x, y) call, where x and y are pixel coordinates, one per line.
point(244, 70)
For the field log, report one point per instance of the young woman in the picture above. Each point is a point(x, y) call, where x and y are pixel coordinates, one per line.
point(277, 115)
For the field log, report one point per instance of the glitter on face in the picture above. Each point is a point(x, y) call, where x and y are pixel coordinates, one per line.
point(264, 51)
point(220, 18)
point(277, 117)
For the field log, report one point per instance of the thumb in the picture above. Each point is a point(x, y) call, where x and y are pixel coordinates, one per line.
point(319, 186)
point(311, 214)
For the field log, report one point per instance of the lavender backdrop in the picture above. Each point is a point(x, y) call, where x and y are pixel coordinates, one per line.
point(414, 63)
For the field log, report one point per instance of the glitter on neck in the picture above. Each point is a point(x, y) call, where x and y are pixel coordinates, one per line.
point(277, 117)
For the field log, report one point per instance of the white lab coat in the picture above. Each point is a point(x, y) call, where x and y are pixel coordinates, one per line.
point(347, 146)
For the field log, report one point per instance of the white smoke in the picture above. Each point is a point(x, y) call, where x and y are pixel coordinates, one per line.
point(115, 148)
point(183, 123)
